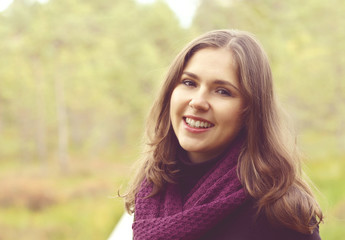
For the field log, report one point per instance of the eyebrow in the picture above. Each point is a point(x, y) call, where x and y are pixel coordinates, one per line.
point(217, 81)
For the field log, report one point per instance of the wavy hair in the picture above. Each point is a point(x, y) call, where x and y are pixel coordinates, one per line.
point(269, 165)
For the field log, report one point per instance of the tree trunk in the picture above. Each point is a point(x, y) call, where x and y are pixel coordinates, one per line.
point(41, 145)
point(62, 124)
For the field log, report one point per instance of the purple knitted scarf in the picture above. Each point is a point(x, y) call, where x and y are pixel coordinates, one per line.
point(165, 216)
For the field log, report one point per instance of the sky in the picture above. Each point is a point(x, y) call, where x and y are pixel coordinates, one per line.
point(4, 4)
point(184, 9)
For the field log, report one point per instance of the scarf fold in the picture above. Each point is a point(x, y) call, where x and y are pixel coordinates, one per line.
point(216, 195)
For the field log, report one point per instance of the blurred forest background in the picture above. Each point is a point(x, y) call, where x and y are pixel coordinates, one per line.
point(77, 78)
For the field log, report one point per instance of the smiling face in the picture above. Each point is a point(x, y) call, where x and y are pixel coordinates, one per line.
point(206, 105)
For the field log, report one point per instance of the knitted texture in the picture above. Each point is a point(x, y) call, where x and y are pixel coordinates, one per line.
point(165, 215)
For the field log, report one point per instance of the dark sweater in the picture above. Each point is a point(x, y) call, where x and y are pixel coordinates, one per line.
point(243, 224)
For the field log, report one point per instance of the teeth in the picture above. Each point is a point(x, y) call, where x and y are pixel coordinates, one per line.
point(197, 124)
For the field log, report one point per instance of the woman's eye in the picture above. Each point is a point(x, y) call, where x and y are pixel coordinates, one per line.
point(224, 92)
point(188, 83)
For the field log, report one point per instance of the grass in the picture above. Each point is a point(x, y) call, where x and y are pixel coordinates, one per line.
point(49, 205)
point(41, 203)
point(328, 176)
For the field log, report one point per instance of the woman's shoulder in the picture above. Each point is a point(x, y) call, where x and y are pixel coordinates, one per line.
point(245, 224)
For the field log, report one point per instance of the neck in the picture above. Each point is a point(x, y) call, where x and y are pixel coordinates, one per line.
point(197, 157)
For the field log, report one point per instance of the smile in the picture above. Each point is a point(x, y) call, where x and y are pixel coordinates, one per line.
point(197, 123)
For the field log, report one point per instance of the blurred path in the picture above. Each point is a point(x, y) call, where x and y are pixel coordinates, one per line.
point(123, 229)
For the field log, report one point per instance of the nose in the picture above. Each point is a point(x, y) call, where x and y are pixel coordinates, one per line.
point(199, 103)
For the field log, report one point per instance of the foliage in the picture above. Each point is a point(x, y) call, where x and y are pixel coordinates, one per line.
point(87, 71)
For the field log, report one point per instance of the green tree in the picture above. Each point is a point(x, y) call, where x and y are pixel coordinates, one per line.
point(88, 73)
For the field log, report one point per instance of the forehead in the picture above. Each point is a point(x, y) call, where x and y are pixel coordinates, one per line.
point(223, 55)
point(213, 63)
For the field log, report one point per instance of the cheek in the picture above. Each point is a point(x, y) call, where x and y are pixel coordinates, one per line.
point(176, 101)
point(239, 120)
point(174, 105)
point(234, 117)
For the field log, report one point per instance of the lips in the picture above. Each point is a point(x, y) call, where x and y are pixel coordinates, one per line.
point(197, 123)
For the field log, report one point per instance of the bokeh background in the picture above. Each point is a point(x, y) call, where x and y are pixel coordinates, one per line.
point(77, 78)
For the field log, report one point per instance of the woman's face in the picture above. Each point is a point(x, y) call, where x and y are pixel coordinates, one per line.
point(206, 105)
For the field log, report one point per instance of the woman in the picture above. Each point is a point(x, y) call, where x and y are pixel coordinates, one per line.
point(220, 163)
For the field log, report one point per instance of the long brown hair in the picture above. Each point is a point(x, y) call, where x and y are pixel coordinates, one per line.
point(269, 166)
